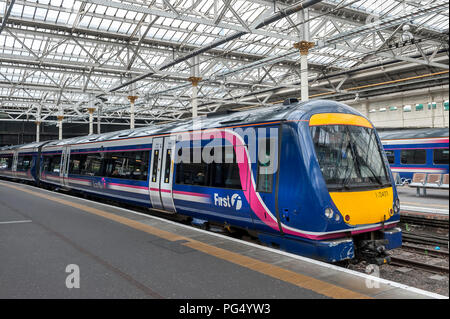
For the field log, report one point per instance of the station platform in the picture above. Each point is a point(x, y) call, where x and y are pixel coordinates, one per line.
point(124, 254)
point(435, 202)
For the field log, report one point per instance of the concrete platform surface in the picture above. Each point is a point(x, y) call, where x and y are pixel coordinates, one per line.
point(51, 241)
point(436, 200)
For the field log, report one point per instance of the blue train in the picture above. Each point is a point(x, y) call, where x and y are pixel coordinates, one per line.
point(309, 178)
point(417, 151)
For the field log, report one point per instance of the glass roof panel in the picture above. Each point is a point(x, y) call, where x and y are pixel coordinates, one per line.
point(104, 29)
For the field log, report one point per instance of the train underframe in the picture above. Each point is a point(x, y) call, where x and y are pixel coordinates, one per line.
point(371, 247)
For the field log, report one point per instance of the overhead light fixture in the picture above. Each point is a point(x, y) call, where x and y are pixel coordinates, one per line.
point(407, 36)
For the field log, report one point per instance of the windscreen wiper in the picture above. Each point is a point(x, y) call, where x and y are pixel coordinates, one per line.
point(349, 174)
point(374, 175)
point(378, 178)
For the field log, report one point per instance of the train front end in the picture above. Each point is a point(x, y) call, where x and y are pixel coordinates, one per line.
point(362, 199)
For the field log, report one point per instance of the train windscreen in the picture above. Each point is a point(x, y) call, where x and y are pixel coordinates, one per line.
point(350, 157)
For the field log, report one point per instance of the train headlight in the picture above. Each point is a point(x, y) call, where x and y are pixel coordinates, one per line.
point(397, 206)
point(329, 213)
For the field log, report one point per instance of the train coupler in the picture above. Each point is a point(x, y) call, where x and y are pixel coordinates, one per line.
point(373, 251)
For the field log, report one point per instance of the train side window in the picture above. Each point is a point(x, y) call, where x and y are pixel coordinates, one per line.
point(56, 164)
point(191, 173)
point(226, 174)
point(390, 156)
point(168, 164)
point(143, 159)
point(5, 162)
point(413, 156)
point(440, 156)
point(45, 163)
point(77, 163)
point(127, 165)
point(52, 164)
point(221, 174)
point(24, 162)
point(93, 165)
point(264, 182)
point(19, 163)
point(155, 165)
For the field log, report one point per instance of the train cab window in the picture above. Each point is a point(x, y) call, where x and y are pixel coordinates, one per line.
point(266, 153)
point(6, 162)
point(390, 156)
point(413, 156)
point(24, 162)
point(440, 156)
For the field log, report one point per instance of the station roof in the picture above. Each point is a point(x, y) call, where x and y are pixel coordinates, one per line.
point(59, 56)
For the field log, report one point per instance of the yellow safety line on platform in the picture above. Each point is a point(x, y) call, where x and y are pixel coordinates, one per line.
point(273, 271)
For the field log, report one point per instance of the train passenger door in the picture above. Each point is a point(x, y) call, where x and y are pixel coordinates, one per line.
point(64, 168)
point(268, 162)
point(167, 174)
point(155, 173)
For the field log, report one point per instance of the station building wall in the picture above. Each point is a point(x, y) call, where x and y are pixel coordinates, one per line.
point(421, 108)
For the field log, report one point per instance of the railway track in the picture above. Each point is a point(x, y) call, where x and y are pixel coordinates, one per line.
point(425, 220)
point(425, 251)
point(403, 262)
point(425, 239)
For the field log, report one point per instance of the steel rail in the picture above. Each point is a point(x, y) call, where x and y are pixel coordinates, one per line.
point(398, 261)
point(424, 239)
point(424, 251)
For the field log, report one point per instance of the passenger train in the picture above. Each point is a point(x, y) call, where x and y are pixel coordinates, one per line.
point(417, 151)
point(310, 178)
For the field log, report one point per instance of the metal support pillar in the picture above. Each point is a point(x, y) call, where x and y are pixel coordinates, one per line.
point(132, 99)
point(38, 130)
point(38, 124)
point(91, 120)
point(304, 47)
point(99, 113)
point(194, 80)
point(60, 126)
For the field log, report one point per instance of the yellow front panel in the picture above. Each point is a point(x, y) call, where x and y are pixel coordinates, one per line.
point(338, 119)
point(366, 207)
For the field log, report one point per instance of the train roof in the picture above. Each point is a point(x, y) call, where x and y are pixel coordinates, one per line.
point(22, 146)
point(281, 112)
point(412, 133)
